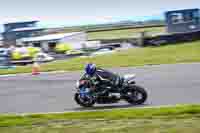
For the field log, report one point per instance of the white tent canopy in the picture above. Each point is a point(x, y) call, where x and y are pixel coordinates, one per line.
point(49, 37)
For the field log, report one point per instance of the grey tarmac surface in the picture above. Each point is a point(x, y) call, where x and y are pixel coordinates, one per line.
point(166, 85)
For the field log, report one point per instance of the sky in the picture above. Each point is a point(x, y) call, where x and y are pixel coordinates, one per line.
point(81, 12)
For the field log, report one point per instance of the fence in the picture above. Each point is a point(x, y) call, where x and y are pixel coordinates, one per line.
point(172, 38)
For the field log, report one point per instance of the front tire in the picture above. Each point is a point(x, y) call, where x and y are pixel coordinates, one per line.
point(133, 93)
point(82, 102)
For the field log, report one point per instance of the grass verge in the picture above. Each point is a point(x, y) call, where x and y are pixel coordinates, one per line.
point(184, 118)
point(139, 113)
point(169, 54)
point(123, 33)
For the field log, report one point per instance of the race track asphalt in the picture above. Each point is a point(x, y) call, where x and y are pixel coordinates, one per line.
point(166, 85)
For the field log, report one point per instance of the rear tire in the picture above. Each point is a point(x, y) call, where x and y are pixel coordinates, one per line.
point(133, 98)
point(81, 103)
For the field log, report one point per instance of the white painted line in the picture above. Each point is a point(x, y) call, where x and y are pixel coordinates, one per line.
point(136, 107)
point(29, 74)
point(136, 67)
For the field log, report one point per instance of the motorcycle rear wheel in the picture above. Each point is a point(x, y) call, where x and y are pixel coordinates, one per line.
point(133, 92)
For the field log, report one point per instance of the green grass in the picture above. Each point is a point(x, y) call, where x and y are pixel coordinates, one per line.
point(169, 54)
point(123, 33)
point(185, 125)
point(182, 118)
point(114, 32)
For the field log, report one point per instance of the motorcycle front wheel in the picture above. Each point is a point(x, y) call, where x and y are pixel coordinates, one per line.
point(86, 102)
point(136, 95)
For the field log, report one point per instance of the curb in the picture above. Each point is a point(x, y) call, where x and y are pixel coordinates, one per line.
point(29, 74)
point(102, 110)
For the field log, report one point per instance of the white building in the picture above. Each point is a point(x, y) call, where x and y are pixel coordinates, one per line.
point(1, 41)
point(93, 44)
point(77, 40)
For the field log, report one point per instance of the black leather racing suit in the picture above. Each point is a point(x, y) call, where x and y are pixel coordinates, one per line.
point(103, 78)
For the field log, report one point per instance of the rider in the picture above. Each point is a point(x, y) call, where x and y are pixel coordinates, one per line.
point(101, 77)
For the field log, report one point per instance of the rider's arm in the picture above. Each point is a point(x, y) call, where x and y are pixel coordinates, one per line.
point(85, 77)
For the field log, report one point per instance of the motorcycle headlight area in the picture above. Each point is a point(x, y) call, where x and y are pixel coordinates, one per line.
point(87, 90)
point(77, 84)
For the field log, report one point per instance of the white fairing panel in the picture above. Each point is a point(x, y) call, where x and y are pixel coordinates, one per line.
point(129, 77)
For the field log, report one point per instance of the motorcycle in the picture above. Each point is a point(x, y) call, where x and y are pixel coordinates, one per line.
point(87, 95)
